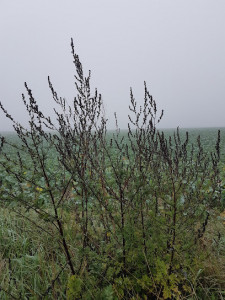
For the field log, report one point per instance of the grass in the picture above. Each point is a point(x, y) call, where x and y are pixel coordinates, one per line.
point(32, 268)
point(29, 260)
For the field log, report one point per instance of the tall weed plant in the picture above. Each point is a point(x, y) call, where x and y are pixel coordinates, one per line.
point(90, 214)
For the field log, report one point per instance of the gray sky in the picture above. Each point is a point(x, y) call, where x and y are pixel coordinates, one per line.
point(176, 46)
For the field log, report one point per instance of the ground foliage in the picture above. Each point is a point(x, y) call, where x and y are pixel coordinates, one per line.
point(88, 213)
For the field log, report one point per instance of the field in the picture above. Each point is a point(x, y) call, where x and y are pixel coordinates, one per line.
point(113, 224)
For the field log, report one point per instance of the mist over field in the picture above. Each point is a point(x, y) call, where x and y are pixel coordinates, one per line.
point(177, 47)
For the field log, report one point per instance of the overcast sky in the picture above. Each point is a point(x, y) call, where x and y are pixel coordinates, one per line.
point(176, 46)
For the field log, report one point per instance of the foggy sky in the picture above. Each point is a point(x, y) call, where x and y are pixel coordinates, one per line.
point(176, 46)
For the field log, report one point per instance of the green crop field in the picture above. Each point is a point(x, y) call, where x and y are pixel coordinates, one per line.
point(111, 259)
